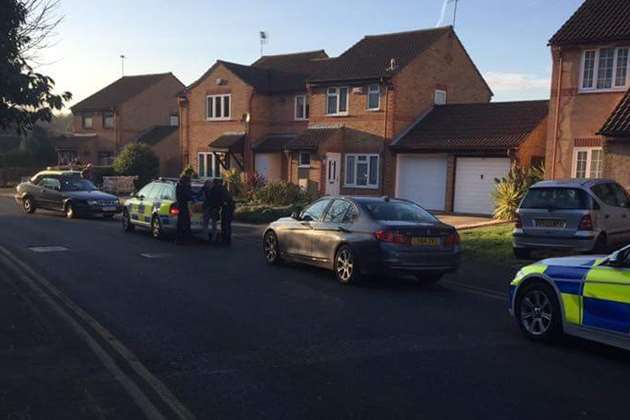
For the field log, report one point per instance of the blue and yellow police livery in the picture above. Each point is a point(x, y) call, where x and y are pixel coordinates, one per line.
point(584, 296)
point(154, 207)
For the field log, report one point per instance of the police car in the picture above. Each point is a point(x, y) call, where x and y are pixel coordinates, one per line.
point(584, 296)
point(154, 207)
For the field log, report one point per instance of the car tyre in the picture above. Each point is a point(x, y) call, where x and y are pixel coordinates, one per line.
point(538, 313)
point(156, 228)
point(346, 265)
point(271, 248)
point(601, 245)
point(127, 226)
point(522, 253)
point(70, 211)
point(28, 205)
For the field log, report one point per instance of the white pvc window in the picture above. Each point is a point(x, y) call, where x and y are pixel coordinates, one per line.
point(604, 68)
point(362, 170)
point(588, 162)
point(218, 107)
point(439, 98)
point(301, 107)
point(337, 101)
point(374, 97)
point(304, 159)
point(208, 165)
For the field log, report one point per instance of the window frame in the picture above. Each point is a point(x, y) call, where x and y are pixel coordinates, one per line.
point(215, 165)
point(435, 96)
point(107, 115)
point(84, 118)
point(302, 165)
point(595, 71)
point(378, 95)
point(368, 157)
point(337, 94)
point(589, 162)
point(305, 108)
point(223, 97)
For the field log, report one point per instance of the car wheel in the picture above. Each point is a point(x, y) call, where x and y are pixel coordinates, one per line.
point(346, 266)
point(601, 245)
point(156, 228)
point(70, 211)
point(522, 253)
point(538, 312)
point(429, 278)
point(271, 248)
point(127, 226)
point(28, 205)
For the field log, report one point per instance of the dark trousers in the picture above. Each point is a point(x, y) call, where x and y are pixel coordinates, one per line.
point(226, 225)
point(183, 226)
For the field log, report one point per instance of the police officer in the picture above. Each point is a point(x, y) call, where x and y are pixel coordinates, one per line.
point(227, 213)
point(213, 202)
point(183, 194)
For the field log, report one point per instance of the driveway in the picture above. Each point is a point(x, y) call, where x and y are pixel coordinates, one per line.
point(466, 222)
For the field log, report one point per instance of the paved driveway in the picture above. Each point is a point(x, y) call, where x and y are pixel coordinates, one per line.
point(463, 222)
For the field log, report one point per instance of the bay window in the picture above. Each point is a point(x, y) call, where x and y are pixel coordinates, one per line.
point(337, 101)
point(362, 170)
point(218, 107)
point(604, 68)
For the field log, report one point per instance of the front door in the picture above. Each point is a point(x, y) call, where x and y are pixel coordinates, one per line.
point(333, 165)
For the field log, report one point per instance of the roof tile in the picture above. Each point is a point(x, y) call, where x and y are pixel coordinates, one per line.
point(618, 124)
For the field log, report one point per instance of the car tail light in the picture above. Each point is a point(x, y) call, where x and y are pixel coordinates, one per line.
point(586, 223)
point(393, 236)
point(518, 223)
point(174, 210)
point(452, 240)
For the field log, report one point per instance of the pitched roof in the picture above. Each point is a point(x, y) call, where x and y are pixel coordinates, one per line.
point(229, 141)
point(618, 124)
point(499, 125)
point(156, 134)
point(300, 63)
point(371, 57)
point(118, 92)
point(596, 21)
point(311, 138)
point(273, 143)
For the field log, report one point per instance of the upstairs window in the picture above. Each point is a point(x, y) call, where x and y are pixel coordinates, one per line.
point(218, 107)
point(173, 120)
point(439, 98)
point(108, 119)
point(374, 97)
point(87, 121)
point(605, 68)
point(301, 107)
point(337, 101)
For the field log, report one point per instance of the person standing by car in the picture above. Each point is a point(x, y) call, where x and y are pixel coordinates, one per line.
point(227, 213)
point(213, 201)
point(183, 195)
point(88, 173)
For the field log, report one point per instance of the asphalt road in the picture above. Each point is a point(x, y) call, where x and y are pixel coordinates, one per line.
point(233, 338)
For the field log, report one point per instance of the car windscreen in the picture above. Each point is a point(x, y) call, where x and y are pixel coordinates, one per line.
point(557, 199)
point(76, 184)
point(398, 211)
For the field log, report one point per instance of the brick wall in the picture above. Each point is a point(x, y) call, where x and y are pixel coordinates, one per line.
point(617, 161)
point(534, 145)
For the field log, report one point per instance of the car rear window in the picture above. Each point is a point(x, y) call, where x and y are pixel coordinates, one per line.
point(398, 211)
point(557, 198)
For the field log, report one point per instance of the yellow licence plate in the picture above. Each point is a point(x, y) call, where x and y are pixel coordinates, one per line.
point(423, 241)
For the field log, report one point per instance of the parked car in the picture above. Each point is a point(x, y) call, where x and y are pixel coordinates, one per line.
point(585, 296)
point(582, 215)
point(154, 207)
point(356, 236)
point(68, 192)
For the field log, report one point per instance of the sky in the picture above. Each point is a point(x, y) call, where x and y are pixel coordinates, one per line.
point(507, 39)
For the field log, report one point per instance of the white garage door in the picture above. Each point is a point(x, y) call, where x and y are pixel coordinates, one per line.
point(474, 183)
point(422, 179)
point(269, 165)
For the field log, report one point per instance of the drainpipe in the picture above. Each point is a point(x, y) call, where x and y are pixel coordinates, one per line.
point(386, 142)
point(248, 149)
point(556, 129)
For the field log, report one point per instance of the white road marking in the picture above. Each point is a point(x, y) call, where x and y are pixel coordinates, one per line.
point(44, 249)
point(68, 310)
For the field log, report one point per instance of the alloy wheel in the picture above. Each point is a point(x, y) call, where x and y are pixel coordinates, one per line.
point(156, 228)
point(28, 205)
point(345, 265)
point(270, 247)
point(536, 312)
point(70, 211)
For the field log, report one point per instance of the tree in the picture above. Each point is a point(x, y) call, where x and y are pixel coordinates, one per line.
point(138, 159)
point(26, 96)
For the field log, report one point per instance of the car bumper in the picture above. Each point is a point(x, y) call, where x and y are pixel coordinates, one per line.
point(396, 259)
point(169, 224)
point(580, 242)
point(98, 211)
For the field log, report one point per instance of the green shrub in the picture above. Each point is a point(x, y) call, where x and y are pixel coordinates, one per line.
point(281, 193)
point(137, 159)
point(511, 189)
point(190, 171)
point(234, 182)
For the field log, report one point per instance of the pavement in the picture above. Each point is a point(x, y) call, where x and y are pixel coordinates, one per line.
point(214, 333)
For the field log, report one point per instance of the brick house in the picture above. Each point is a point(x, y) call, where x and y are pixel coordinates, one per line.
point(325, 123)
point(117, 115)
point(589, 108)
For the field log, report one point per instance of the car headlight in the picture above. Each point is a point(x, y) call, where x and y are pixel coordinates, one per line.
point(92, 202)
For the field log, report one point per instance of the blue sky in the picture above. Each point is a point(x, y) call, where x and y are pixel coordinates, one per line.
point(507, 39)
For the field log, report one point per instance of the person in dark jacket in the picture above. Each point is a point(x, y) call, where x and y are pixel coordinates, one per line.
point(213, 201)
point(183, 194)
point(227, 213)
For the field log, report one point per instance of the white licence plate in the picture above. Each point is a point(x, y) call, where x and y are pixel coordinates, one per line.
point(109, 208)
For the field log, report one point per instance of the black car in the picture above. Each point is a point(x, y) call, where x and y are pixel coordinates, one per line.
point(68, 192)
point(355, 236)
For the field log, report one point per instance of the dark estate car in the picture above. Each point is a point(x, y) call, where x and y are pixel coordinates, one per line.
point(355, 236)
point(68, 192)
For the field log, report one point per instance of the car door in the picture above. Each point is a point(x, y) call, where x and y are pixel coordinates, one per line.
point(297, 238)
point(50, 193)
point(612, 216)
point(330, 231)
point(606, 298)
point(623, 204)
point(142, 202)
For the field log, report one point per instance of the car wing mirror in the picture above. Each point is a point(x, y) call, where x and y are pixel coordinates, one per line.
point(306, 218)
point(295, 215)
